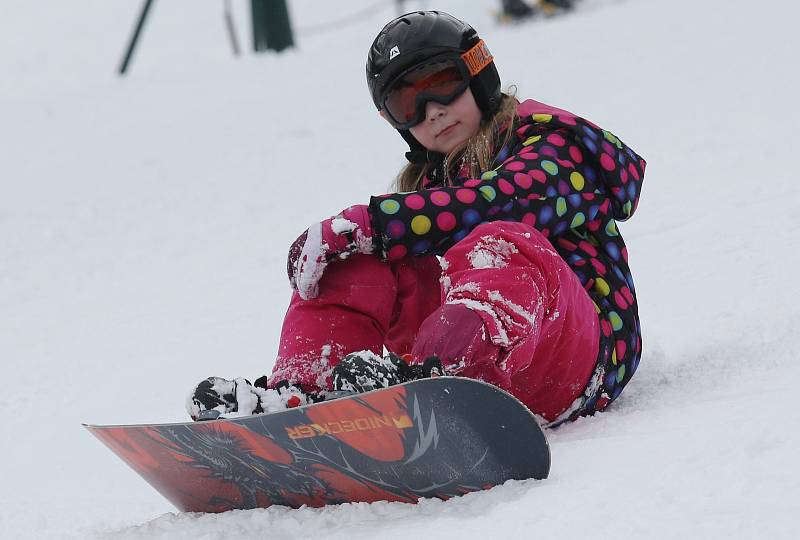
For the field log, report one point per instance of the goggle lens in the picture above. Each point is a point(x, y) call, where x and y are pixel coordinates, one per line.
point(441, 81)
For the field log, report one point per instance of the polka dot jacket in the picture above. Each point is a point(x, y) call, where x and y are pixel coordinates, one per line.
point(572, 181)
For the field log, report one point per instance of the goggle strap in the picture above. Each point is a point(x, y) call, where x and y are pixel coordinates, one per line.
point(477, 58)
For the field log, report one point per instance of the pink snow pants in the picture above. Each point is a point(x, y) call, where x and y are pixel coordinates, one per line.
point(539, 334)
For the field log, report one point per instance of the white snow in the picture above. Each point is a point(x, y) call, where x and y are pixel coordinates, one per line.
point(508, 305)
point(342, 225)
point(144, 224)
point(491, 252)
point(311, 263)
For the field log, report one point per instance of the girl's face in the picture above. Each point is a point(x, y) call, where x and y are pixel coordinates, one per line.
point(447, 126)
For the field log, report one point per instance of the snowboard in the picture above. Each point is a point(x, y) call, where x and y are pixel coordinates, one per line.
point(438, 437)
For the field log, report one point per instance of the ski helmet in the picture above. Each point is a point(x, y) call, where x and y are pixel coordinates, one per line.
point(415, 38)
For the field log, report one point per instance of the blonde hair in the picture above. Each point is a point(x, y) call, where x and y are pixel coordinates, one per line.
point(476, 153)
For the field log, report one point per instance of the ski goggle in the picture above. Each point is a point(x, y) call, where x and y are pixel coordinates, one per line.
point(442, 79)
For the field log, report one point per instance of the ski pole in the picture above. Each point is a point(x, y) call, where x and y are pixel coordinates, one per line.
point(135, 38)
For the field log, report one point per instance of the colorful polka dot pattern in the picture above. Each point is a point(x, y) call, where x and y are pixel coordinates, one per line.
point(569, 179)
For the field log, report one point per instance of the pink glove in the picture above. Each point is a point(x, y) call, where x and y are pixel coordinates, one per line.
point(337, 237)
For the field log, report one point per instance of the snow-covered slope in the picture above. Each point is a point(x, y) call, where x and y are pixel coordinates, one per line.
point(144, 223)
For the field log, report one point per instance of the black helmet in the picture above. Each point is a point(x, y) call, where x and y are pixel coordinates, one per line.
point(416, 37)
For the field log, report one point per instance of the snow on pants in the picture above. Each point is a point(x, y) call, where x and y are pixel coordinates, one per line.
point(539, 334)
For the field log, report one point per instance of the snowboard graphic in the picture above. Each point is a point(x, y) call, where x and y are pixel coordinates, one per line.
point(437, 437)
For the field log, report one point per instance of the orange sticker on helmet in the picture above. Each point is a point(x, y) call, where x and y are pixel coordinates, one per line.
point(477, 58)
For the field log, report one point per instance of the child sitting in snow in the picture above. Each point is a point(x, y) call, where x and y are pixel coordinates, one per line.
point(498, 258)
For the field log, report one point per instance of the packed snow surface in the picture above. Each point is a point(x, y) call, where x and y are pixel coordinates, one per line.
point(144, 223)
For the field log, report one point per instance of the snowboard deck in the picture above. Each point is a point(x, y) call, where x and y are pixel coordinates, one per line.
point(438, 437)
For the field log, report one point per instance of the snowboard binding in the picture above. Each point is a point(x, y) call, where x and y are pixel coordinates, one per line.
point(365, 371)
point(215, 398)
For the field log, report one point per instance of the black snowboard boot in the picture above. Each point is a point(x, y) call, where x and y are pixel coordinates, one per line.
point(517, 10)
point(364, 371)
point(216, 397)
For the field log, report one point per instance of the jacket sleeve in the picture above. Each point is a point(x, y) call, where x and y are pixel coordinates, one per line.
point(562, 174)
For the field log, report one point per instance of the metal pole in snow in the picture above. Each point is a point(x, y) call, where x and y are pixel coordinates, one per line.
point(135, 38)
point(231, 28)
